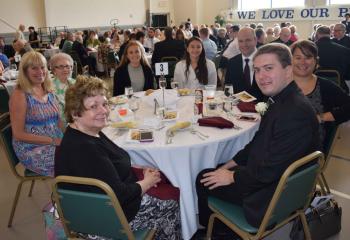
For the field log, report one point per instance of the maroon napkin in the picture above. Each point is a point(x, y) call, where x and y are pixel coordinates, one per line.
point(218, 122)
point(164, 190)
point(246, 107)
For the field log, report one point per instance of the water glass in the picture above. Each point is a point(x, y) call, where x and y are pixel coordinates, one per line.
point(129, 92)
point(13, 67)
point(210, 91)
point(228, 90)
point(162, 83)
point(174, 85)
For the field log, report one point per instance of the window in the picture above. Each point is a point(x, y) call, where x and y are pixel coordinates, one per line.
point(253, 4)
point(285, 4)
point(330, 2)
point(259, 4)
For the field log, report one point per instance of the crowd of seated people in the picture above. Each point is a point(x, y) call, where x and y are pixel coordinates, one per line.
point(37, 104)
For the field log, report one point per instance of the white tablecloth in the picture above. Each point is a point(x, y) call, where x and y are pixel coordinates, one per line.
point(182, 160)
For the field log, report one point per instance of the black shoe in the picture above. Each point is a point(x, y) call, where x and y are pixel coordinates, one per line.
point(200, 234)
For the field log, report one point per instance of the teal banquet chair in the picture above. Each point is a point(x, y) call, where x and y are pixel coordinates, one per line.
point(93, 213)
point(6, 139)
point(291, 198)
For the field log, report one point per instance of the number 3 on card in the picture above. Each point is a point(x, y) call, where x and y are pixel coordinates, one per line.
point(162, 68)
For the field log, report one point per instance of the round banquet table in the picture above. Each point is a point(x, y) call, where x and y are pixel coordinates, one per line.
point(187, 155)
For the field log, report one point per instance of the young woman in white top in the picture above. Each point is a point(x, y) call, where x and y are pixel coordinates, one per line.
point(195, 70)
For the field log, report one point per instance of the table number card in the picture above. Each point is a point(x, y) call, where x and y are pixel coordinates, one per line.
point(162, 69)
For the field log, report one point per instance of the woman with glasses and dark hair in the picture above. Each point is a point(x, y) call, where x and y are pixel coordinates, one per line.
point(195, 70)
point(35, 116)
point(331, 103)
point(61, 66)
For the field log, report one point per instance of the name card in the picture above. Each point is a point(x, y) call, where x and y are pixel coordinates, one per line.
point(162, 68)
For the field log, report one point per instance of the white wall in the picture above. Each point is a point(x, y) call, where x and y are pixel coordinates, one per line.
point(184, 9)
point(15, 12)
point(94, 13)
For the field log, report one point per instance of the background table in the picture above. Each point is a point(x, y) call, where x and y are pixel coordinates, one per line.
point(182, 160)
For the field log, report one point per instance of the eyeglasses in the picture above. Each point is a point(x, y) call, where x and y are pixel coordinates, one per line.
point(61, 67)
point(95, 107)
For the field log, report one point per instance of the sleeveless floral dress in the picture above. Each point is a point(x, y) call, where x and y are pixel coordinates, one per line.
point(41, 119)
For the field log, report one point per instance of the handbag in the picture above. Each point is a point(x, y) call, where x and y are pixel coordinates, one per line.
point(323, 220)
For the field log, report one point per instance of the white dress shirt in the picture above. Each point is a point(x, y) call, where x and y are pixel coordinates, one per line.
point(232, 50)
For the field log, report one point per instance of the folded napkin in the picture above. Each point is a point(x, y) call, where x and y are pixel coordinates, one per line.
point(177, 126)
point(218, 122)
point(129, 124)
point(246, 107)
point(170, 97)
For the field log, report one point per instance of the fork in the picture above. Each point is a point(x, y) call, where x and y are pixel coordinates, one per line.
point(194, 132)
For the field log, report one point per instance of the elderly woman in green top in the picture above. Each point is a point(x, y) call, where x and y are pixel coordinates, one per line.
point(61, 66)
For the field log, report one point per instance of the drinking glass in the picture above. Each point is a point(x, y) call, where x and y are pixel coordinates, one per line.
point(134, 106)
point(210, 91)
point(129, 92)
point(162, 83)
point(13, 67)
point(174, 85)
point(228, 90)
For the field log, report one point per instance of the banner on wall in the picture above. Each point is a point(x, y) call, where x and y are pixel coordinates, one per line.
point(289, 14)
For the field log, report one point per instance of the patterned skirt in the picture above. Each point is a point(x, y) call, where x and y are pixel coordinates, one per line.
point(162, 215)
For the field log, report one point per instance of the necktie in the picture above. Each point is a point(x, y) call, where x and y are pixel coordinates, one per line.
point(246, 72)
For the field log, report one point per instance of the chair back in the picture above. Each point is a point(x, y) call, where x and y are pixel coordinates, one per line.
point(76, 58)
point(6, 138)
point(4, 99)
point(294, 190)
point(330, 74)
point(93, 213)
point(171, 65)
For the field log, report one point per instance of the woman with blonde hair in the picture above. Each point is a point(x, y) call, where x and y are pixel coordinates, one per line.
point(133, 71)
point(35, 116)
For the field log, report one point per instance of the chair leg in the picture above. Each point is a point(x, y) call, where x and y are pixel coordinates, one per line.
point(210, 226)
point(325, 183)
point(31, 188)
point(14, 205)
point(307, 233)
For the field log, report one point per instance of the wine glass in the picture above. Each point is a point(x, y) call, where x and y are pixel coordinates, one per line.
point(174, 85)
point(162, 83)
point(134, 105)
point(13, 67)
point(129, 92)
point(228, 90)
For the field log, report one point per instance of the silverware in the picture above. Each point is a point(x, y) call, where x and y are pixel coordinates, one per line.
point(194, 132)
point(204, 135)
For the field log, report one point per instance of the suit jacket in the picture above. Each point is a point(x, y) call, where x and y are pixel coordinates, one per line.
point(347, 25)
point(288, 131)
point(168, 48)
point(122, 79)
point(334, 56)
point(234, 75)
point(288, 43)
point(345, 41)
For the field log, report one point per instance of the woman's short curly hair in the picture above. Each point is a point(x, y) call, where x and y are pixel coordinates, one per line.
point(83, 88)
